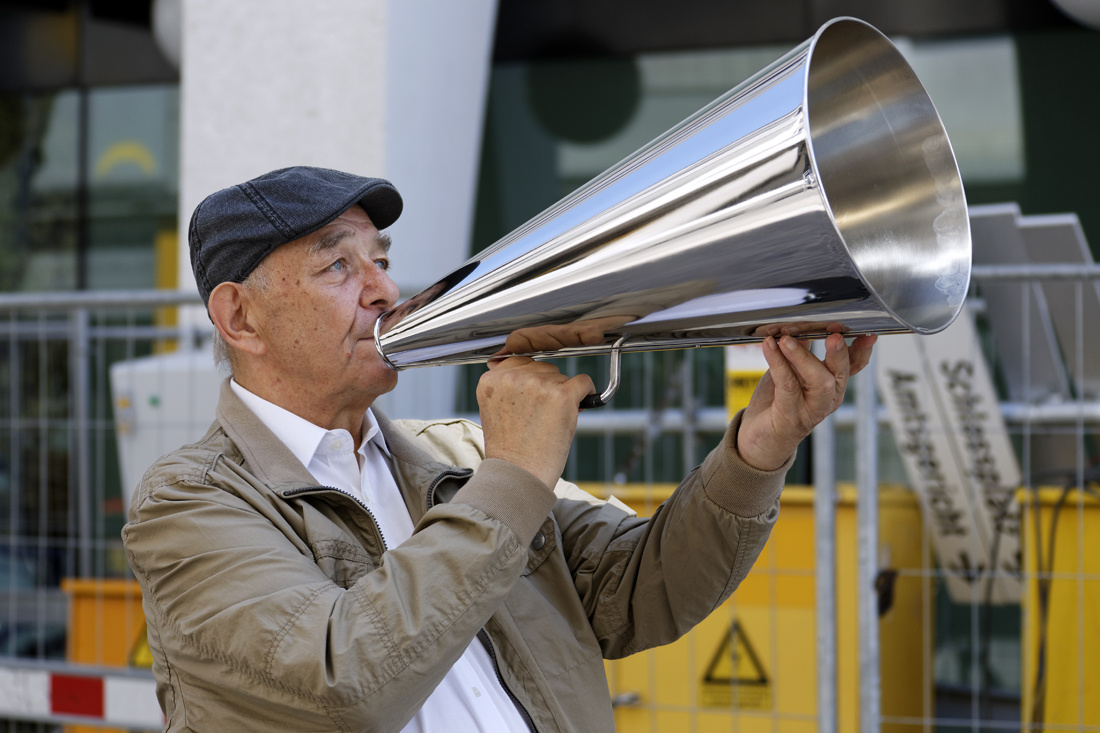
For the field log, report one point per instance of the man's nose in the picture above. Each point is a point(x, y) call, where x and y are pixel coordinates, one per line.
point(379, 289)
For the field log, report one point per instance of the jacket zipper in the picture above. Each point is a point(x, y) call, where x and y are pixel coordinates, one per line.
point(486, 642)
point(439, 479)
point(482, 635)
point(431, 497)
point(316, 489)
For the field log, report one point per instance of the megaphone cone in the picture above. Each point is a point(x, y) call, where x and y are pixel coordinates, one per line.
point(821, 194)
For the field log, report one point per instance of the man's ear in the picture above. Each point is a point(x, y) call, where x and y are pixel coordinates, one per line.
point(230, 310)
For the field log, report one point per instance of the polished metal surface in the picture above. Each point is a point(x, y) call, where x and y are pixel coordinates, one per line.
point(822, 194)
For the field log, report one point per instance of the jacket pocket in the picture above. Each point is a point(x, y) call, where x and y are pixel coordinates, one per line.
point(343, 562)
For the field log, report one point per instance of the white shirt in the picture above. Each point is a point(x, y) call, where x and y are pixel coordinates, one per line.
point(470, 698)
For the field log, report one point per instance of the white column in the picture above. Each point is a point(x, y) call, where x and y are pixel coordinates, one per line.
point(269, 83)
point(439, 57)
point(437, 77)
point(392, 88)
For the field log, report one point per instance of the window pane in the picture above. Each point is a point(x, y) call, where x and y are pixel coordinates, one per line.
point(133, 142)
point(38, 229)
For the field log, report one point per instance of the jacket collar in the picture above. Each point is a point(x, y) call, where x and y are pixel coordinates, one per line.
point(267, 458)
point(415, 469)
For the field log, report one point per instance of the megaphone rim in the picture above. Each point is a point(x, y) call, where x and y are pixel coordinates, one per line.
point(914, 81)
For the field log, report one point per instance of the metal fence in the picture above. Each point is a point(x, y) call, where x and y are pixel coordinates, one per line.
point(67, 599)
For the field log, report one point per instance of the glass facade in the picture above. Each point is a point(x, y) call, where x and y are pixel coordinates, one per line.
point(88, 188)
point(38, 229)
point(89, 140)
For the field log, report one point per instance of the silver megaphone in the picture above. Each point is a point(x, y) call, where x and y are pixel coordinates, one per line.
point(821, 194)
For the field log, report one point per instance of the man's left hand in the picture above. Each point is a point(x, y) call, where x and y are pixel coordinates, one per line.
point(796, 394)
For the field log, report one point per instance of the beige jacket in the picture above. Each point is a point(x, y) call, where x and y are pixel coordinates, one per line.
point(273, 604)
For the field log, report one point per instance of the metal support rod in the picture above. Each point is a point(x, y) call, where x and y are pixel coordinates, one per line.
point(80, 397)
point(69, 300)
point(15, 477)
point(825, 496)
point(1033, 271)
point(689, 408)
point(867, 551)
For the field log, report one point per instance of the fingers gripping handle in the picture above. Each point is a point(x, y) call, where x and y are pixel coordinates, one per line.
point(593, 401)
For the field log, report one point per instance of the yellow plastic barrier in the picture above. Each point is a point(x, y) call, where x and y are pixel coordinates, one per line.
point(106, 628)
point(1065, 693)
point(751, 666)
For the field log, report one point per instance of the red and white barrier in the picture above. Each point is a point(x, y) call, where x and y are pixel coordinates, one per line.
point(74, 693)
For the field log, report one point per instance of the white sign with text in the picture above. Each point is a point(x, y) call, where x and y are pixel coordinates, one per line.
point(958, 456)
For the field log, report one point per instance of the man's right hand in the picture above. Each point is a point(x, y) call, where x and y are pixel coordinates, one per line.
point(529, 414)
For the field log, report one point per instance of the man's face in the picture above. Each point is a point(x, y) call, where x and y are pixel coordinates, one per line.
point(316, 316)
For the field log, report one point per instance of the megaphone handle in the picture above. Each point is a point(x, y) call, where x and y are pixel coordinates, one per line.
point(593, 401)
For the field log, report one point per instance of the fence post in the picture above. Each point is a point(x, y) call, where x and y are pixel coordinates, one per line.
point(867, 553)
point(823, 450)
point(80, 460)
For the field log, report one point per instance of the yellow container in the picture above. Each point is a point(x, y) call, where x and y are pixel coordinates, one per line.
point(106, 627)
point(1067, 694)
point(752, 664)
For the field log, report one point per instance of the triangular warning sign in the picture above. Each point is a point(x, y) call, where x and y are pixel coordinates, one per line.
point(140, 655)
point(735, 661)
point(735, 664)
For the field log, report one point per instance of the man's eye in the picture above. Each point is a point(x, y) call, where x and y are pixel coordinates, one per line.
point(337, 266)
point(383, 263)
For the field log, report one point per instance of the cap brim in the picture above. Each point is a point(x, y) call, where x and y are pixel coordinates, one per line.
point(382, 203)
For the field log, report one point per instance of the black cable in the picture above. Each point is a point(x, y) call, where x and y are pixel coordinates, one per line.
point(986, 637)
point(1043, 588)
point(1039, 685)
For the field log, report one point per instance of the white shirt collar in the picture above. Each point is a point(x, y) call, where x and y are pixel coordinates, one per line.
point(303, 438)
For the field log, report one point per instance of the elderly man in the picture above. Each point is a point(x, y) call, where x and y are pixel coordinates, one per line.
point(309, 565)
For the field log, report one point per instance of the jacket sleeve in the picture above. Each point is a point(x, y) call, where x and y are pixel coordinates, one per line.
point(646, 582)
point(242, 598)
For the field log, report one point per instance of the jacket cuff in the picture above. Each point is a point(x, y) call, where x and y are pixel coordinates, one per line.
point(509, 494)
point(735, 485)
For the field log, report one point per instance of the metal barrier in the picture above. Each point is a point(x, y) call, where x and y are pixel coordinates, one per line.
point(61, 508)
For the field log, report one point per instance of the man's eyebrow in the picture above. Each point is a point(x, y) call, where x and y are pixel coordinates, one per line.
point(329, 241)
point(332, 239)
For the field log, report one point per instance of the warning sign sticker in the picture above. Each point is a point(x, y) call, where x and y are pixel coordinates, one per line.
point(735, 676)
point(140, 654)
